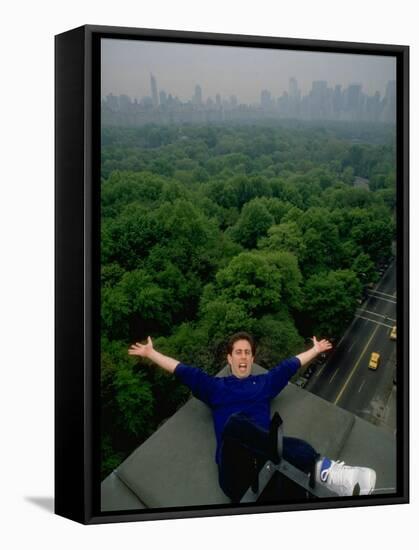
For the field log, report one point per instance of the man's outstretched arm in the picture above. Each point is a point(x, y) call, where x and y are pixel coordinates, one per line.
point(147, 351)
point(319, 346)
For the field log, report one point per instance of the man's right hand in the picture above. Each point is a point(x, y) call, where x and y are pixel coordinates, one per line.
point(142, 350)
point(147, 350)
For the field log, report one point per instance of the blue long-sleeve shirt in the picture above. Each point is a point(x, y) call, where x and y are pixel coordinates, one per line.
point(228, 395)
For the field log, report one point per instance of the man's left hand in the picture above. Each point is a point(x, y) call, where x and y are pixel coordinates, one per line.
point(321, 345)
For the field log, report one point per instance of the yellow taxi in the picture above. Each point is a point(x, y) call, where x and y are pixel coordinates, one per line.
point(393, 333)
point(374, 360)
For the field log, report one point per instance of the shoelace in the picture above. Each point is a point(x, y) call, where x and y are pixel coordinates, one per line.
point(338, 467)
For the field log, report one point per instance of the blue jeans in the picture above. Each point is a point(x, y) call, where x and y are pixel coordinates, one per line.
point(245, 448)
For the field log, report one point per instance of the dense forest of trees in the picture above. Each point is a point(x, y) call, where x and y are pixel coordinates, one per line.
point(209, 230)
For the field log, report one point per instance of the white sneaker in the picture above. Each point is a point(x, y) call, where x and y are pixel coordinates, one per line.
point(345, 480)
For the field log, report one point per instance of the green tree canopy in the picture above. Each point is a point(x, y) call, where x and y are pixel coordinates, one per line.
point(277, 338)
point(321, 240)
point(250, 282)
point(253, 223)
point(284, 237)
point(330, 299)
point(260, 282)
point(128, 238)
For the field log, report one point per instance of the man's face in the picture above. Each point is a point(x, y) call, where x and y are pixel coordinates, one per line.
point(241, 359)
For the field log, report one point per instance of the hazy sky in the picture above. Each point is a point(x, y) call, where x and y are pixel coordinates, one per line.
point(127, 64)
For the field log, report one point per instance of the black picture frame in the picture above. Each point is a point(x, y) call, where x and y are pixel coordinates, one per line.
point(77, 271)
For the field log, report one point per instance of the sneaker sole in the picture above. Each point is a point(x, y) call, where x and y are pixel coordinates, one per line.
point(373, 479)
point(357, 488)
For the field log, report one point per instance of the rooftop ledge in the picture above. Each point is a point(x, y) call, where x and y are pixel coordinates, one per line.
point(175, 466)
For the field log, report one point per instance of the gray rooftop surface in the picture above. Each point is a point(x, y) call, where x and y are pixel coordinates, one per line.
point(176, 466)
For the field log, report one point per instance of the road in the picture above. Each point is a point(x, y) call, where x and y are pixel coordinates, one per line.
point(345, 378)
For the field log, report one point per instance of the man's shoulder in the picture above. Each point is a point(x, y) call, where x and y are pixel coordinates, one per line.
point(184, 370)
point(286, 368)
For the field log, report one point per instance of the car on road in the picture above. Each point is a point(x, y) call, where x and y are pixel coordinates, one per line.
point(301, 382)
point(393, 333)
point(374, 360)
point(364, 295)
point(309, 372)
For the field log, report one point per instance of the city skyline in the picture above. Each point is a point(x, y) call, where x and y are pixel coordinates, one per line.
point(158, 97)
point(320, 103)
point(227, 71)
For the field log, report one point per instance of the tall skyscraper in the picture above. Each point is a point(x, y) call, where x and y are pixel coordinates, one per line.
point(320, 105)
point(353, 97)
point(233, 100)
point(293, 91)
point(373, 107)
point(337, 101)
point(294, 97)
point(389, 108)
point(283, 104)
point(265, 99)
point(154, 94)
point(163, 97)
point(197, 97)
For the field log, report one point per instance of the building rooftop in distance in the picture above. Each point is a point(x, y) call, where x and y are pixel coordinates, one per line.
point(176, 465)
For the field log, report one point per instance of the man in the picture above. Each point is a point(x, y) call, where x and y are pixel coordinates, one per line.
point(240, 405)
